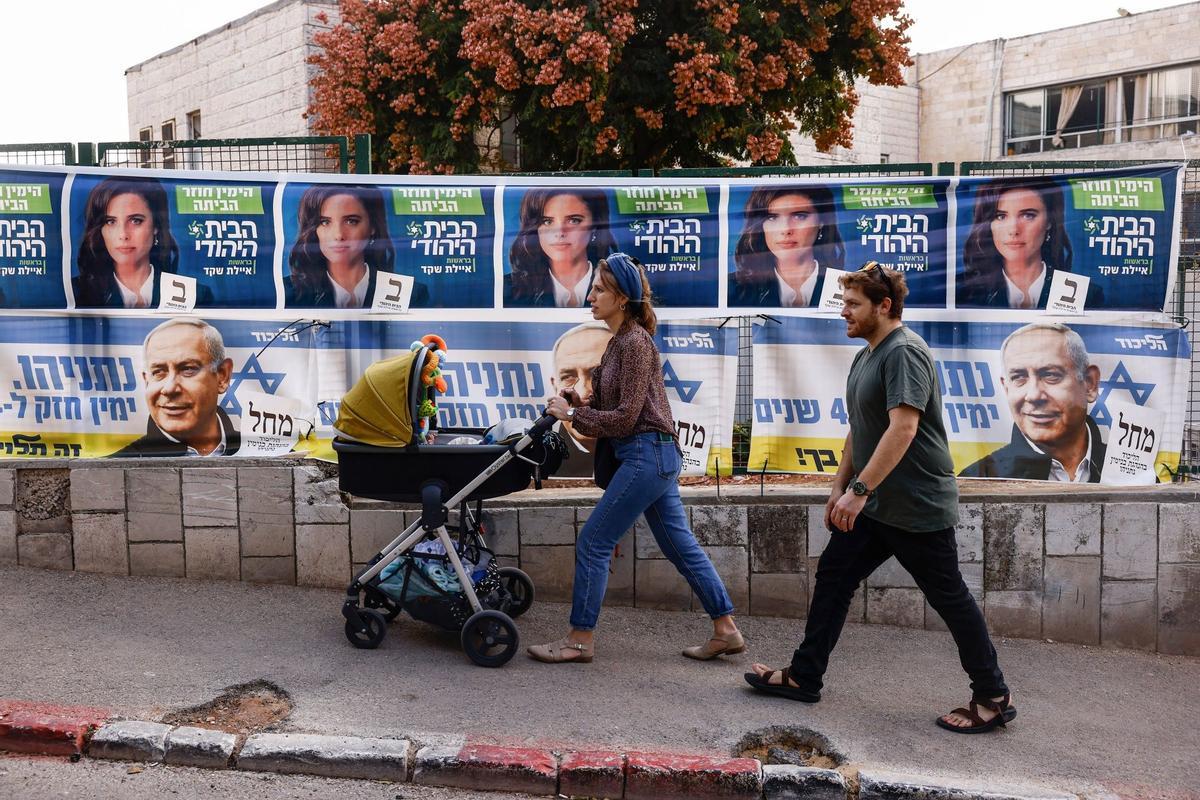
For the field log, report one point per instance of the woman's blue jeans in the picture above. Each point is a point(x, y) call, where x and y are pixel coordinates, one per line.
point(646, 482)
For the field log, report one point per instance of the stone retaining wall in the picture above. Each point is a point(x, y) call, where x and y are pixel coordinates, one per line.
point(1115, 568)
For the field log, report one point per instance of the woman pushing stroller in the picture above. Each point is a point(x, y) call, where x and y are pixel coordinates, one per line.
point(629, 407)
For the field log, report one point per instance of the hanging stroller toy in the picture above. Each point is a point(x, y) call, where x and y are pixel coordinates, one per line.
point(388, 449)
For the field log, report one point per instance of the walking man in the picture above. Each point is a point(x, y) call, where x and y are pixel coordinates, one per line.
point(894, 494)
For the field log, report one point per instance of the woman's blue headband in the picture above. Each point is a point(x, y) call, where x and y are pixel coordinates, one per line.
point(628, 275)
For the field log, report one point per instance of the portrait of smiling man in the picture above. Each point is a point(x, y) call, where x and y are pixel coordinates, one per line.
point(1049, 383)
point(186, 372)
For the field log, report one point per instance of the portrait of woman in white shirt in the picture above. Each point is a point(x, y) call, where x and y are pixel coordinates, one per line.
point(790, 237)
point(563, 234)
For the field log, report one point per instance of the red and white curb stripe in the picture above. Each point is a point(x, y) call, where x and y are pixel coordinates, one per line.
point(455, 761)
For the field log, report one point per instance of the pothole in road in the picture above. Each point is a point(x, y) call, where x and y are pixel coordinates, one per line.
point(795, 745)
point(242, 709)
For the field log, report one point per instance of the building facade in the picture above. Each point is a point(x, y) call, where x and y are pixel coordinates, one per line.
point(1122, 88)
point(248, 78)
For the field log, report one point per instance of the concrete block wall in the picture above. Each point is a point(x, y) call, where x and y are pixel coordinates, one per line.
point(248, 78)
point(1115, 568)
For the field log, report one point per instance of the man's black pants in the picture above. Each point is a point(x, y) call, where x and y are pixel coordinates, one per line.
point(932, 559)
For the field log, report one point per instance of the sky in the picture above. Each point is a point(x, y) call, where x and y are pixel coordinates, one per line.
point(75, 87)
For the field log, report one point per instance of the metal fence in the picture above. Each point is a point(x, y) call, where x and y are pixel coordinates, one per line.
point(60, 154)
point(335, 154)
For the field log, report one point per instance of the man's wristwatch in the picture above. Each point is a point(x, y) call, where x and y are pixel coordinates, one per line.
point(570, 412)
point(860, 489)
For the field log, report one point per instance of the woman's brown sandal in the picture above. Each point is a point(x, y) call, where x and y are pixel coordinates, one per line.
point(564, 651)
point(727, 645)
point(1004, 710)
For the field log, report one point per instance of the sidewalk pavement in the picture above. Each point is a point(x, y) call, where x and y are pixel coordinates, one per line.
point(1098, 723)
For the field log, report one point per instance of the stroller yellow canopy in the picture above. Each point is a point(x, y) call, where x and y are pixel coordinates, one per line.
point(378, 409)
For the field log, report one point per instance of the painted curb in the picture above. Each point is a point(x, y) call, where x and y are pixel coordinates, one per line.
point(199, 747)
point(47, 729)
point(331, 756)
point(456, 761)
point(130, 740)
point(788, 782)
point(592, 774)
point(886, 785)
point(665, 776)
point(482, 766)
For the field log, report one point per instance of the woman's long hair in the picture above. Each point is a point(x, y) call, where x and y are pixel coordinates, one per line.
point(641, 312)
point(308, 265)
point(755, 263)
point(530, 266)
point(983, 262)
point(96, 266)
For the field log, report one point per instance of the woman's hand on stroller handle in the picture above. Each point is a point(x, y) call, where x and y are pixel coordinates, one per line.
point(557, 406)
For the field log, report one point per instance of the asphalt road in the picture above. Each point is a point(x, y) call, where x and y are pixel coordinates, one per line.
point(1090, 720)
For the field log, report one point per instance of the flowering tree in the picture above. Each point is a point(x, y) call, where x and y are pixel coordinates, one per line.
point(603, 84)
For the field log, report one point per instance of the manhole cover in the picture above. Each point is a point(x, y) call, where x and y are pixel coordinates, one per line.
point(790, 745)
point(243, 709)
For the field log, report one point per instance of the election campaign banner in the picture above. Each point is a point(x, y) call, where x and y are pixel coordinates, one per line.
point(1039, 400)
point(117, 240)
point(82, 387)
point(487, 384)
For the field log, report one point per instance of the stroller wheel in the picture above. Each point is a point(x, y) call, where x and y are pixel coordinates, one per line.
point(520, 589)
point(369, 632)
point(490, 638)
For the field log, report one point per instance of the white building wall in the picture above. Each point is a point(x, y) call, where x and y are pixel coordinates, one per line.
point(885, 122)
point(962, 117)
point(248, 78)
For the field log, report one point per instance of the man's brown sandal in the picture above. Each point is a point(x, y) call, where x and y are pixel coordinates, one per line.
point(785, 688)
point(1004, 710)
point(564, 651)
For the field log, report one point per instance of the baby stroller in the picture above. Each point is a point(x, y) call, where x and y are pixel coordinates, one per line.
point(385, 452)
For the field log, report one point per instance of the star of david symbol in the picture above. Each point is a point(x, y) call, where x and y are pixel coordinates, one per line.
point(686, 389)
point(1121, 380)
point(252, 371)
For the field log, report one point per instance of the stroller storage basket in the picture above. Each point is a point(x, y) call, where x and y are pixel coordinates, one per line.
point(424, 585)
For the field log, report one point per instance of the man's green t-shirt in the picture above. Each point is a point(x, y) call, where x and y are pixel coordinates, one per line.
point(920, 494)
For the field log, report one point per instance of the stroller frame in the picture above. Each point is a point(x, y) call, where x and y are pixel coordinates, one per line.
point(489, 636)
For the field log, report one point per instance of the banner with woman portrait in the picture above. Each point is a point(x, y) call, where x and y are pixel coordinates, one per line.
point(556, 236)
point(128, 240)
point(785, 237)
point(1099, 242)
point(169, 242)
point(339, 238)
point(1039, 399)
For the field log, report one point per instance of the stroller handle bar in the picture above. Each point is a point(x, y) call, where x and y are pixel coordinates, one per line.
point(544, 423)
